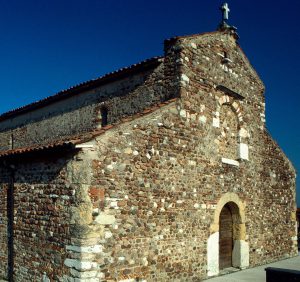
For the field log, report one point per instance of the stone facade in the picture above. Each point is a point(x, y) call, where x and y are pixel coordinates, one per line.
point(140, 199)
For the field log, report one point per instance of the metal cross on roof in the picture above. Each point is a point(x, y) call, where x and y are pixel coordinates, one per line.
point(225, 11)
point(224, 26)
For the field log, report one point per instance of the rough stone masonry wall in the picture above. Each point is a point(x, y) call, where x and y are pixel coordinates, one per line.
point(3, 223)
point(215, 59)
point(48, 209)
point(81, 113)
point(157, 180)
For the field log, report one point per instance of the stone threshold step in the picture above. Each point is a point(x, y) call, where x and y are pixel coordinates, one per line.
point(228, 270)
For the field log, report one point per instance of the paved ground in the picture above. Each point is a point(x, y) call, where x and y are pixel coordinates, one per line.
point(257, 274)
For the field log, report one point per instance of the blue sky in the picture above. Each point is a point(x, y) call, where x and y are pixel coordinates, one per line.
point(47, 46)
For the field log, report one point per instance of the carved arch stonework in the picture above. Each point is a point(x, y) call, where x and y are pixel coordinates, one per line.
point(229, 125)
point(235, 145)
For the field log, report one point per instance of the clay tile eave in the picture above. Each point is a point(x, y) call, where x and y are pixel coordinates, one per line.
point(38, 148)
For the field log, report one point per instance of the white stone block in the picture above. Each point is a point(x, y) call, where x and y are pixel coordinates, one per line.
point(202, 119)
point(243, 151)
point(96, 249)
point(230, 162)
point(128, 151)
point(243, 133)
point(145, 261)
point(108, 235)
point(80, 265)
point(114, 204)
point(216, 122)
point(213, 254)
point(127, 280)
point(66, 278)
point(110, 167)
point(182, 113)
point(185, 78)
point(235, 105)
point(240, 254)
point(86, 280)
point(45, 278)
point(85, 274)
point(105, 219)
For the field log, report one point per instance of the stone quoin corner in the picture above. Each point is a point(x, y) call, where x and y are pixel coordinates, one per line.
point(160, 171)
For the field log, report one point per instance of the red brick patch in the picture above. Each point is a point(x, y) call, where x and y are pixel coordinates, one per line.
point(97, 196)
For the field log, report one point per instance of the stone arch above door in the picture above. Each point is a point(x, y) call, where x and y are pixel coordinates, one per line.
point(240, 253)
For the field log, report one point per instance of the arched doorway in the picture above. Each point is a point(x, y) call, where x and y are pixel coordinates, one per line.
point(225, 238)
point(227, 245)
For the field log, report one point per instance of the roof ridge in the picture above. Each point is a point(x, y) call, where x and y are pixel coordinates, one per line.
point(174, 38)
point(73, 90)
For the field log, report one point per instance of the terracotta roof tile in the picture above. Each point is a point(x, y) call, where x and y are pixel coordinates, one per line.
point(35, 148)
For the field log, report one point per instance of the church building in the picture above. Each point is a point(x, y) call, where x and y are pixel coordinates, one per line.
point(160, 171)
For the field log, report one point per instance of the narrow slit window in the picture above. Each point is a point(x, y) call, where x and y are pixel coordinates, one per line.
point(104, 116)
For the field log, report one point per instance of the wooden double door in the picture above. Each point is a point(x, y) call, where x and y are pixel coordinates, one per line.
point(225, 238)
